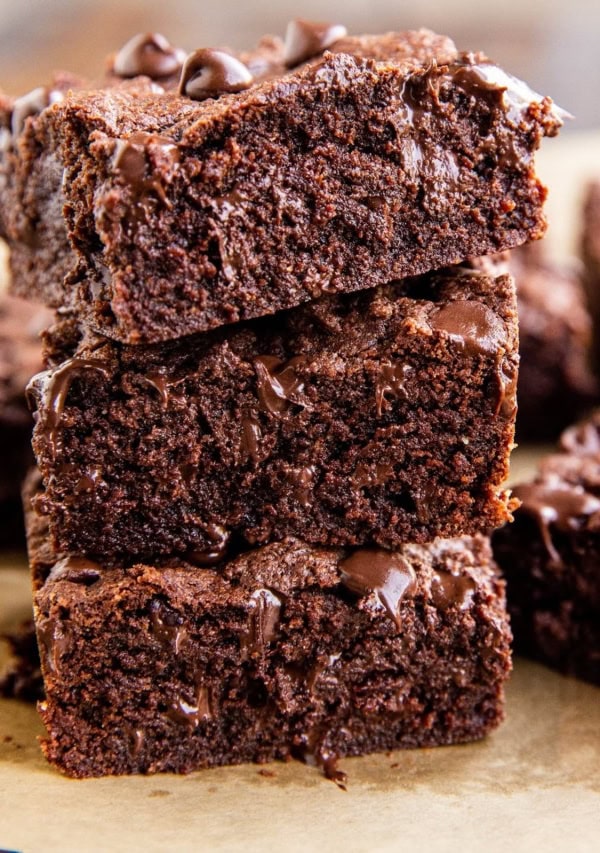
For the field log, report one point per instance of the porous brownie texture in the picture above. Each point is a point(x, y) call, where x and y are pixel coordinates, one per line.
point(381, 417)
point(550, 557)
point(590, 252)
point(20, 357)
point(384, 156)
point(290, 651)
point(556, 382)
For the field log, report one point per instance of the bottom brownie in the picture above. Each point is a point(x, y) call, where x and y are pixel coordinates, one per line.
point(550, 557)
point(289, 650)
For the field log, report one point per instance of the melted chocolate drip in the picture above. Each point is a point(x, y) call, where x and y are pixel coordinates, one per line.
point(385, 574)
point(130, 160)
point(305, 39)
point(507, 393)
point(251, 438)
point(315, 753)
point(390, 381)
point(55, 385)
point(212, 555)
point(563, 507)
point(278, 383)
point(302, 480)
point(79, 570)
point(172, 636)
point(54, 640)
point(209, 73)
point(448, 590)
point(150, 55)
point(265, 610)
point(189, 714)
point(471, 325)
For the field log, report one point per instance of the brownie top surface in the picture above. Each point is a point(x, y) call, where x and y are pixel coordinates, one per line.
point(170, 90)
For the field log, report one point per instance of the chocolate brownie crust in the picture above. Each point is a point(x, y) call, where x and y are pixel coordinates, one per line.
point(380, 417)
point(291, 651)
point(384, 157)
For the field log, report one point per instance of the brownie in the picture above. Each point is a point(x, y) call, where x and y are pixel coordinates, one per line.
point(22, 679)
point(324, 165)
point(550, 557)
point(380, 417)
point(291, 650)
point(590, 251)
point(556, 382)
point(20, 357)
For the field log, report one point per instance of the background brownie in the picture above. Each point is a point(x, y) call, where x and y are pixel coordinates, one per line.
point(20, 357)
point(380, 417)
point(556, 383)
point(590, 249)
point(384, 157)
point(293, 651)
point(550, 557)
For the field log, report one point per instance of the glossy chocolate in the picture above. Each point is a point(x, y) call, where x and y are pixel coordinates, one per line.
point(387, 575)
point(473, 326)
point(148, 54)
point(263, 619)
point(209, 73)
point(306, 39)
point(557, 506)
point(278, 383)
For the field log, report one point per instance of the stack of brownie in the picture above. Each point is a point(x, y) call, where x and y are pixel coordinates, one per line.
point(276, 417)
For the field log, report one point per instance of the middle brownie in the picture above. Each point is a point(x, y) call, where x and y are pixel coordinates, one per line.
point(379, 417)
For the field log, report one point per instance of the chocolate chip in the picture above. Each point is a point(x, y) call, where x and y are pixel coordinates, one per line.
point(305, 39)
point(149, 54)
point(209, 73)
point(30, 105)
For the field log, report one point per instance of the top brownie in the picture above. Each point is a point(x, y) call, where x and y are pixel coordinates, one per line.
point(161, 207)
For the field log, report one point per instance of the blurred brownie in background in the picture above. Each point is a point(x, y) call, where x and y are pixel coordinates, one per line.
point(590, 253)
point(550, 557)
point(20, 357)
point(556, 382)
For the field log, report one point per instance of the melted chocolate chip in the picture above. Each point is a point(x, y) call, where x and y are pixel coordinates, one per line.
point(448, 590)
point(278, 383)
point(251, 438)
point(80, 570)
point(265, 609)
point(130, 161)
point(390, 381)
point(302, 480)
point(54, 385)
point(150, 55)
point(305, 39)
point(209, 73)
point(216, 552)
point(562, 506)
point(191, 714)
point(166, 628)
point(507, 392)
point(31, 105)
point(471, 325)
point(314, 752)
point(55, 642)
point(385, 574)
